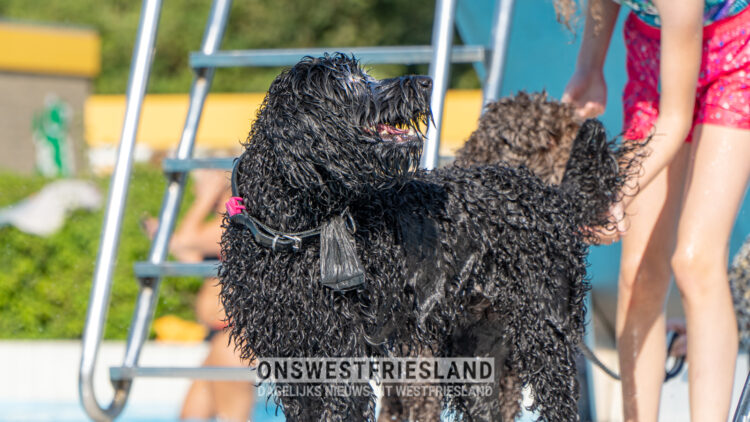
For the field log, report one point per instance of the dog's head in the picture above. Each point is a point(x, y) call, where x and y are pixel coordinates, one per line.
point(526, 129)
point(331, 126)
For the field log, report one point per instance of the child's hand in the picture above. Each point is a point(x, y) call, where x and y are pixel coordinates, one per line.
point(609, 235)
point(587, 91)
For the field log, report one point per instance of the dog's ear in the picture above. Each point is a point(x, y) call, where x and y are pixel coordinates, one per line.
point(283, 133)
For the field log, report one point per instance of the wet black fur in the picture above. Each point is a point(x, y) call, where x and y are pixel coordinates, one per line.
point(439, 248)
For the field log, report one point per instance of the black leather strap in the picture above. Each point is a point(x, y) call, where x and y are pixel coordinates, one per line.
point(679, 361)
point(272, 239)
point(235, 165)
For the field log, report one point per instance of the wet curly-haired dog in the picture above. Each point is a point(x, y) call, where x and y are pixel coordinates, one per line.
point(333, 149)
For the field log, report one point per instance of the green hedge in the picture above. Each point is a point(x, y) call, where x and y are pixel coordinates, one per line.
point(45, 282)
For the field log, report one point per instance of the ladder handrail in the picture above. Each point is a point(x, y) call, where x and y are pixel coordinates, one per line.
point(500, 38)
point(442, 41)
point(100, 291)
point(148, 293)
point(397, 54)
point(742, 411)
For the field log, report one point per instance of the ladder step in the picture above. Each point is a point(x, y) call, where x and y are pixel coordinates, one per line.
point(175, 165)
point(219, 373)
point(416, 54)
point(145, 269)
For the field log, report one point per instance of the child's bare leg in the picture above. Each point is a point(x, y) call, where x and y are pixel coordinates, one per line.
point(720, 168)
point(226, 400)
point(210, 187)
point(198, 403)
point(233, 400)
point(208, 308)
point(643, 286)
point(196, 243)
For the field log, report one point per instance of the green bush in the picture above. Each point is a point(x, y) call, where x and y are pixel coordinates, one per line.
point(45, 282)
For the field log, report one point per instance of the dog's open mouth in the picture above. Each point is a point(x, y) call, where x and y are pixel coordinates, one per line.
point(390, 133)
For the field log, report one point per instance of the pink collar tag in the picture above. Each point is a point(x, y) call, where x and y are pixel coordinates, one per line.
point(234, 206)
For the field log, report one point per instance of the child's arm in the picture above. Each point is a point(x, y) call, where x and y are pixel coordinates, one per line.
point(681, 40)
point(587, 90)
point(680, 59)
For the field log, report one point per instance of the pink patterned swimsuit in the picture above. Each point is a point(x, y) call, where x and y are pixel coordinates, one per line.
point(723, 90)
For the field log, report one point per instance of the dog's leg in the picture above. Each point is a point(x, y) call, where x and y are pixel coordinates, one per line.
point(398, 408)
point(485, 338)
point(392, 408)
point(509, 397)
point(324, 403)
point(553, 381)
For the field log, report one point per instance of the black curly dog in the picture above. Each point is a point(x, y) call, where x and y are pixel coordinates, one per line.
point(477, 261)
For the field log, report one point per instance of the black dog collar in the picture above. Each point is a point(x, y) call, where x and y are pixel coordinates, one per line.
point(264, 235)
point(340, 268)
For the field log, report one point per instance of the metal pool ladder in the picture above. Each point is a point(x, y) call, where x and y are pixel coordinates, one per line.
point(439, 55)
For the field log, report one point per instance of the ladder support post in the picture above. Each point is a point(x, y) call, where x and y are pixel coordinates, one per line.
point(102, 283)
point(501, 26)
point(148, 295)
point(442, 41)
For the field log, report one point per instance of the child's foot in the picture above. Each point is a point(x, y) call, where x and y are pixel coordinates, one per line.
point(149, 225)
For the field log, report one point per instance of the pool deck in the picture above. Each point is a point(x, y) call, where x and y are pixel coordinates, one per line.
point(39, 378)
point(47, 371)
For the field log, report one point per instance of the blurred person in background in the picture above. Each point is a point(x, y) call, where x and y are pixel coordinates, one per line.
point(196, 239)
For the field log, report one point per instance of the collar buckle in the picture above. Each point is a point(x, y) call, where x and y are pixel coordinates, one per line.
point(296, 241)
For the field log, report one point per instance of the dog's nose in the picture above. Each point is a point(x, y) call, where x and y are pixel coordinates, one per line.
point(424, 81)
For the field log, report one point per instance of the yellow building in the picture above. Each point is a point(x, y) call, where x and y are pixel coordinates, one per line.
point(226, 120)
